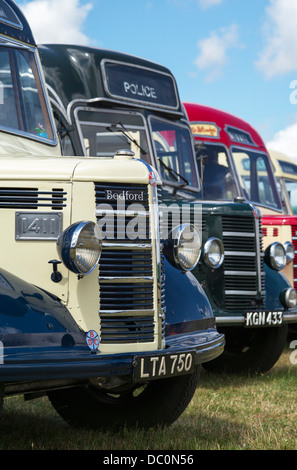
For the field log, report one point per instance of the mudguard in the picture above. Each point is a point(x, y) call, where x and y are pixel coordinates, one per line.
point(275, 281)
point(30, 317)
point(187, 307)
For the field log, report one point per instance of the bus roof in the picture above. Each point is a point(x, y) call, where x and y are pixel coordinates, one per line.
point(13, 23)
point(284, 165)
point(86, 73)
point(211, 124)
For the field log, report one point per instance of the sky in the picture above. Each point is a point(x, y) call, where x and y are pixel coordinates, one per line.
point(236, 55)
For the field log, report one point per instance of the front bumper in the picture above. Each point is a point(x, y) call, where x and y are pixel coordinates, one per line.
point(22, 364)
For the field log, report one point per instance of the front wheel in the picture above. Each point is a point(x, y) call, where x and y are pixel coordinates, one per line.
point(249, 350)
point(158, 403)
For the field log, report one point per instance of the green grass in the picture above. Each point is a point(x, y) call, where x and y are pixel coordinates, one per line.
point(255, 413)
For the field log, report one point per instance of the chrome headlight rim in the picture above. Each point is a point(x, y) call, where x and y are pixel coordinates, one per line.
point(290, 251)
point(68, 243)
point(271, 257)
point(206, 252)
point(173, 246)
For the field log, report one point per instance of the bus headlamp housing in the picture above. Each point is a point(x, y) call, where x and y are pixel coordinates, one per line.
point(183, 247)
point(79, 247)
point(213, 253)
point(290, 251)
point(275, 256)
point(288, 297)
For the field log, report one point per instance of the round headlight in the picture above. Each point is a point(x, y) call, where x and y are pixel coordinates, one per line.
point(290, 251)
point(183, 247)
point(214, 253)
point(79, 247)
point(275, 256)
point(288, 297)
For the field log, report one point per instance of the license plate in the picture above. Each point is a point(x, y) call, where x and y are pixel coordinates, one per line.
point(148, 368)
point(38, 225)
point(256, 318)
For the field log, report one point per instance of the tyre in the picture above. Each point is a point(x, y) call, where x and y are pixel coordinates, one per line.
point(249, 350)
point(159, 403)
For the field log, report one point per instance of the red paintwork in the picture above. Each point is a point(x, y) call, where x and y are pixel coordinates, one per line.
point(201, 113)
point(279, 220)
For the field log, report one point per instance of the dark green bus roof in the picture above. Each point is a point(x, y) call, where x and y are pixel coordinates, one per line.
point(88, 73)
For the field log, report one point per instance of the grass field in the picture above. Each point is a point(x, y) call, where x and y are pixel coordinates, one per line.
point(226, 413)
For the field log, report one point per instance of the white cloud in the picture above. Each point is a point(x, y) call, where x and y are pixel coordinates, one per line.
point(208, 3)
point(285, 141)
point(57, 20)
point(213, 51)
point(280, 52)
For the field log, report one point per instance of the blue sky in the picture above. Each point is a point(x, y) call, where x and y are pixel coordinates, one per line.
point(236, 55)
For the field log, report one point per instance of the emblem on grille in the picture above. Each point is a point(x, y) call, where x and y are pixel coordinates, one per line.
point(126, 195)
point(152, 179)
point(92, 340)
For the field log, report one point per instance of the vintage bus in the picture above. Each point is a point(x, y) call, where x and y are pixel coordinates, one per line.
point(234, 162)
point(104, 101)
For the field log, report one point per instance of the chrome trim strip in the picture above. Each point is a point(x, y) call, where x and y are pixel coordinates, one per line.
point(239, 253)
point(238, 234)
point(127, 312)
point(257, 232)
point(230, 320)
point(240, 273)
point(127, 246)
point(240, 292)
point(124, 280)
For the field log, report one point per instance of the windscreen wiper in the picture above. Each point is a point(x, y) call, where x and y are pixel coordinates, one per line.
point(174, 173)
point(120, 127)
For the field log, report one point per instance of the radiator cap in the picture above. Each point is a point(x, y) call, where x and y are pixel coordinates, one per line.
point(125, 153)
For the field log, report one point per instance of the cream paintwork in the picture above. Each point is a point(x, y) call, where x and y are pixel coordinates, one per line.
point(20, 146)
point(282, 235)
point(281, 176)
point(275, 156)
point(29, 259)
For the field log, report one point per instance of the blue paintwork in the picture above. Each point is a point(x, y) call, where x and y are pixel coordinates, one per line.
point(42, 341)
point(187, 307)
point(275, 282)
point(23, 34)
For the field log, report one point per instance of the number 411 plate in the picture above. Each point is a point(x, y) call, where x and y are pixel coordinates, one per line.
point(147, 368)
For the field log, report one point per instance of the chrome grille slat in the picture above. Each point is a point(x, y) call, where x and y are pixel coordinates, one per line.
point(294, 241)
